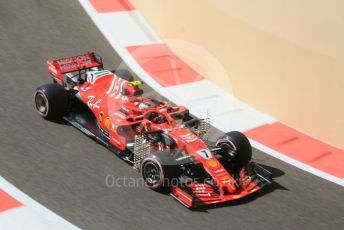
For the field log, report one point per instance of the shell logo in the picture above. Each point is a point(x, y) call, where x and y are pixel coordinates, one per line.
point(107, 123)
point(213, 163)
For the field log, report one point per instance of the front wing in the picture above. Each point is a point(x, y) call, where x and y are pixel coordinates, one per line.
point(198, 194)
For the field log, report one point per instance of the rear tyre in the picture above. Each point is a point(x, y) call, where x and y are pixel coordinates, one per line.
point(238, 142)
point(124, 74)
point(51, 101)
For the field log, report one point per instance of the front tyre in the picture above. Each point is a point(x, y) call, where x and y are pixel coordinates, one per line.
point(51, 101)
point(152, 173)
point(159, 171)
point(237, 147)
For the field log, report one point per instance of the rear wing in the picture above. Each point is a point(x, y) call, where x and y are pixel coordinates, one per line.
point(71, 64)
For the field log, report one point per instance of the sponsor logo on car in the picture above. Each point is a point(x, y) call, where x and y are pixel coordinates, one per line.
point(189, 137)
point(93, 103)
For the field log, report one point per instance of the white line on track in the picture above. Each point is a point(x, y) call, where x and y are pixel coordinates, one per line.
point(31, 214)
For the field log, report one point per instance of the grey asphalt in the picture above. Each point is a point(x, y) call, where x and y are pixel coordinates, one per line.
point(66, 171)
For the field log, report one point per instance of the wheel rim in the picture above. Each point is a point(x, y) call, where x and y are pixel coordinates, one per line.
point(41, 103)
point(230, 151)
point(151, 173)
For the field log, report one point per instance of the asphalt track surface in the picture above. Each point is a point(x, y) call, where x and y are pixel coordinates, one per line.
point(66, 171)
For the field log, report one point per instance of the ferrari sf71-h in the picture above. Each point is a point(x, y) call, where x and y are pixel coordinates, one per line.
point(164, 142)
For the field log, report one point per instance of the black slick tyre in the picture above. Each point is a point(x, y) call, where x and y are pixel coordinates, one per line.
point(238, 142)
point(51, 101)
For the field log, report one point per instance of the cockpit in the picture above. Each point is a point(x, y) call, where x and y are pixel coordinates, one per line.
point(156, 118)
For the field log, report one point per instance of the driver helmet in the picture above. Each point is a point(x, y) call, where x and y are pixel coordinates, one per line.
point(144, 105)
point(132, 90)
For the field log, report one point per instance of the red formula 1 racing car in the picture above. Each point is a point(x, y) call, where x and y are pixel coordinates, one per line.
point(164, 142)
